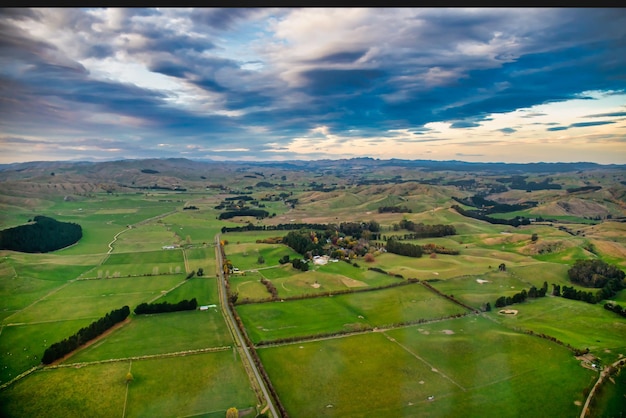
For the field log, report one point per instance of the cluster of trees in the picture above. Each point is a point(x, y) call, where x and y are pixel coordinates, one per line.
point(44, 235)
point(394, 209)
point(300, 264)
point(270, 288)
point(520, 183)
point(520, 297)
point(60, 349)
point(614, 307)
point(491, 206)
point(401, 248)
point(421, 230)
point(162, 307)
point(584, 189)
point(438, 249)
point(284, 259)
point(594, 273)
point(358, 229)
point(517, 221)
point(303, 241)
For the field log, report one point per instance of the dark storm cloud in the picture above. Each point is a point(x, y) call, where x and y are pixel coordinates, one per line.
point(221, 19)
point(393, 70)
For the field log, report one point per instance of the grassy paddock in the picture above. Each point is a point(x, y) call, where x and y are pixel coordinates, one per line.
point(574, 322)
point(160, 334)
point(94, 298)
point(202, 257)
point(94, 391)
point(269, 321)
point(22, 346)
point(187, 386)
point(364, 375)
point(471, 366)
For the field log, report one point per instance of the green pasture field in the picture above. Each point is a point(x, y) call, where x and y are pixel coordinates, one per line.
point(473, 291)
point(17, 293)
point(140, 263)
point(49, 267)
point(160, 334)
point(248, 286)
point(94, 298)
point(146, 237)
point(274, 320)
point(246, 237)
point(201, 226)
point(577, 323)
point(245, 256)
point(202, 257)
point(442, 267)
point(94, 391)
point(19, 344)
point(204, 289)
point(194, 385)
point(363, 375)
point(471, 366)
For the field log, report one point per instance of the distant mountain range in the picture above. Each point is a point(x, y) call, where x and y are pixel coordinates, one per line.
point(426, 165)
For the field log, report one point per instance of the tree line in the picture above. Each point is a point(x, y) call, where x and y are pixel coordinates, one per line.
point(403, 248)
point(421, 230)
point(517, 221)
point(44, 235)
point(257, 213)
point(520, 297)
point(96, 328)
point(487, 206)
point(163, 307)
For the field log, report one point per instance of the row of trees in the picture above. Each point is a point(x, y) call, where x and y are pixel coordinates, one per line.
point(421, 230)
point(96, 328)
point(257, 213)
point(520, 297)
point(270, 288)
point(44, 235)
point(394, 209)
point(487, 206)
point(517, 221)
point(403, 248)
point(614, 307)
point(161, 307)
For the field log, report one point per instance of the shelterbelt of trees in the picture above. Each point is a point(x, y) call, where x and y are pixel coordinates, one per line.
point(43, 235)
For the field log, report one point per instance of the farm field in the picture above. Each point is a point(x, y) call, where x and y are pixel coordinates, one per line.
point(385, 335)
point(405, 367)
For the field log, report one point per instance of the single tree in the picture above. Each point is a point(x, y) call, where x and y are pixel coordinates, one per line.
point(129, 377)
point(260, 260)
point(232, 413)
point(502, 267)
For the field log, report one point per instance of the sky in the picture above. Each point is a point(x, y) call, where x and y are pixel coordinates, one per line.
point(478, 84)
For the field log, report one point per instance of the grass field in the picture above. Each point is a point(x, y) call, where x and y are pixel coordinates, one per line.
point(573, 322)
point(160, 334)
point(270, 321)
point(404, 367)
point(479, 365)
point(201, 384)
